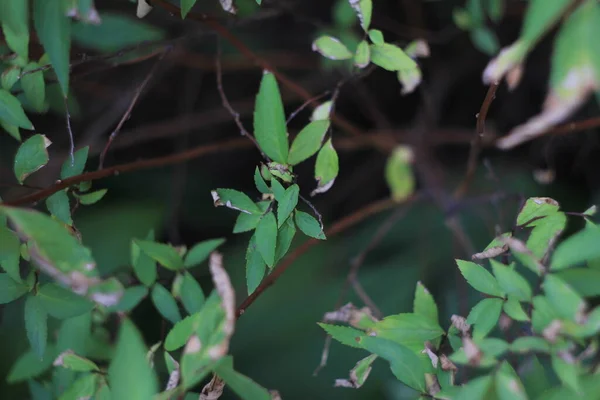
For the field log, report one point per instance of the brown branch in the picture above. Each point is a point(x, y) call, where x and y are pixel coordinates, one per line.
point(477, 142)
point(171, 159)
point(575, 126)
point(134, 101)
point(337, 227)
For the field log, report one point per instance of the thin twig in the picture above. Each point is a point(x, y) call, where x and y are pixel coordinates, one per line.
point(477, 142)
point(133, 166)
point(306, 104)
point(70, 131)
point(227, 104)
point(339, 226)
point(134, 101)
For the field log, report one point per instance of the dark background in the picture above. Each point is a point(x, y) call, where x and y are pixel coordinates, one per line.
point(277, 341)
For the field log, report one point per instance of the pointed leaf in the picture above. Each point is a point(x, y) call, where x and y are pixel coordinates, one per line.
point(131, 298)
point(34, 86)
point(191, 294)
point(364, 10)
point(563, 298)
point(485, 316)
point(62, 303)
point(36, 326)
point(287, 203)
point(201, 251)
point(578, 248)
point(309, 225)
point(91, 198)
point(285, 235)
point(269, 120)
point(424, 304)
point(243, 386)
point(59, 207)
point(331, 48)
point(266, 238)
point(144, 266)
point(479, 278)
point(260, 183)
point(255, 266)
point(10, 254)
point(31, 156)
point(162, 253)
point(391, 57)
point(344, 334)
point(511, 282)
point(326, 168)
point(235, 200)
point(76, 166)
point(308, 141)
point(11, 111)
point(165, 303)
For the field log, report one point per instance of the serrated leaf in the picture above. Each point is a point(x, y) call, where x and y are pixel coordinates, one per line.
point(62, 303)
point(247, 222)
point(376, 36)
point(287, 203)
point(391, 57)
point(91, 198)
point(326, 168)
point(162, 253)
point(269, 120)
point(36, 325)
point(255, 266)
point(58, 205)
point(191, 294)
point(200, 252)
point(514, 310)
point(285, 235)
point(563, 298)
point(485, 316)
point(408, 329)
point(11, 111)
point(116, 32)
point(235, 200)
point(34, 86)
point(260, 183)
point(129, 367)
point(424, 304)
point(479, 278)
point(31, 156)
point(309, 225)
point(165, 303)
point(132, 296)
point(398, 173)
point(53, 28)
point(343, 334)
point(364, 10)
point(308, 141)
point(405, 364)
point(511, 282)
point(362, 56)
point(331, 48)
point(10, 248)
point(266, 238)
point(75, 166)
point(243, 386)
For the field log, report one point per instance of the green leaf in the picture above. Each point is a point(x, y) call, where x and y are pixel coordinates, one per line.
point(33, 86)
point(376, 36)
point(277, 189)
point(485, 40)
point(91, 198)
point(144, 266)
point(28, 365)
point(260, 183)
point(563, 298)
point(331, 48)
point(11, 111)
point(62, 303)
point(514, 310)
point(408, 329)
point(53, 28)
point(74, 167)
point(255, 266)
point(528, 344)
point(10, 253)
point(131, 298)
point(543, 314)
point(180, 333)
point(308, 141)
point(129, 367)
point(485, 316)
point(201, 251)
point(566, 372)
point(343, 334)
point(492, 347)
point(364, 10)
point(322, 112)
point(11, 129)
point(69, 360)
point(186, 6)
point(9, 77)
point(424, 304)
point(391, 57)
point(116, 32)
point(266, 238)
point(509, 387)
point(326, 168)
point(39, 391)
point(358, 374)
point(83, 388)
point(405, 364)
point(235, 200)
point(243, 386)
point(191, 294)
point(576, 249)
point(75, 334)
point(162, 253)
point(36, 326)
point(31, 156)
point(583, 280)
point(284, 239)
point(247, 222)
point(476, 389)
point(511, 282)
point(479, 278)
point(15, 24)
point(269, 120)
point(10, 290)
point(287, 203)
point(165, 303)
point(399, 174)
point(58, 205)
point(362, 56)
point(309, 225)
